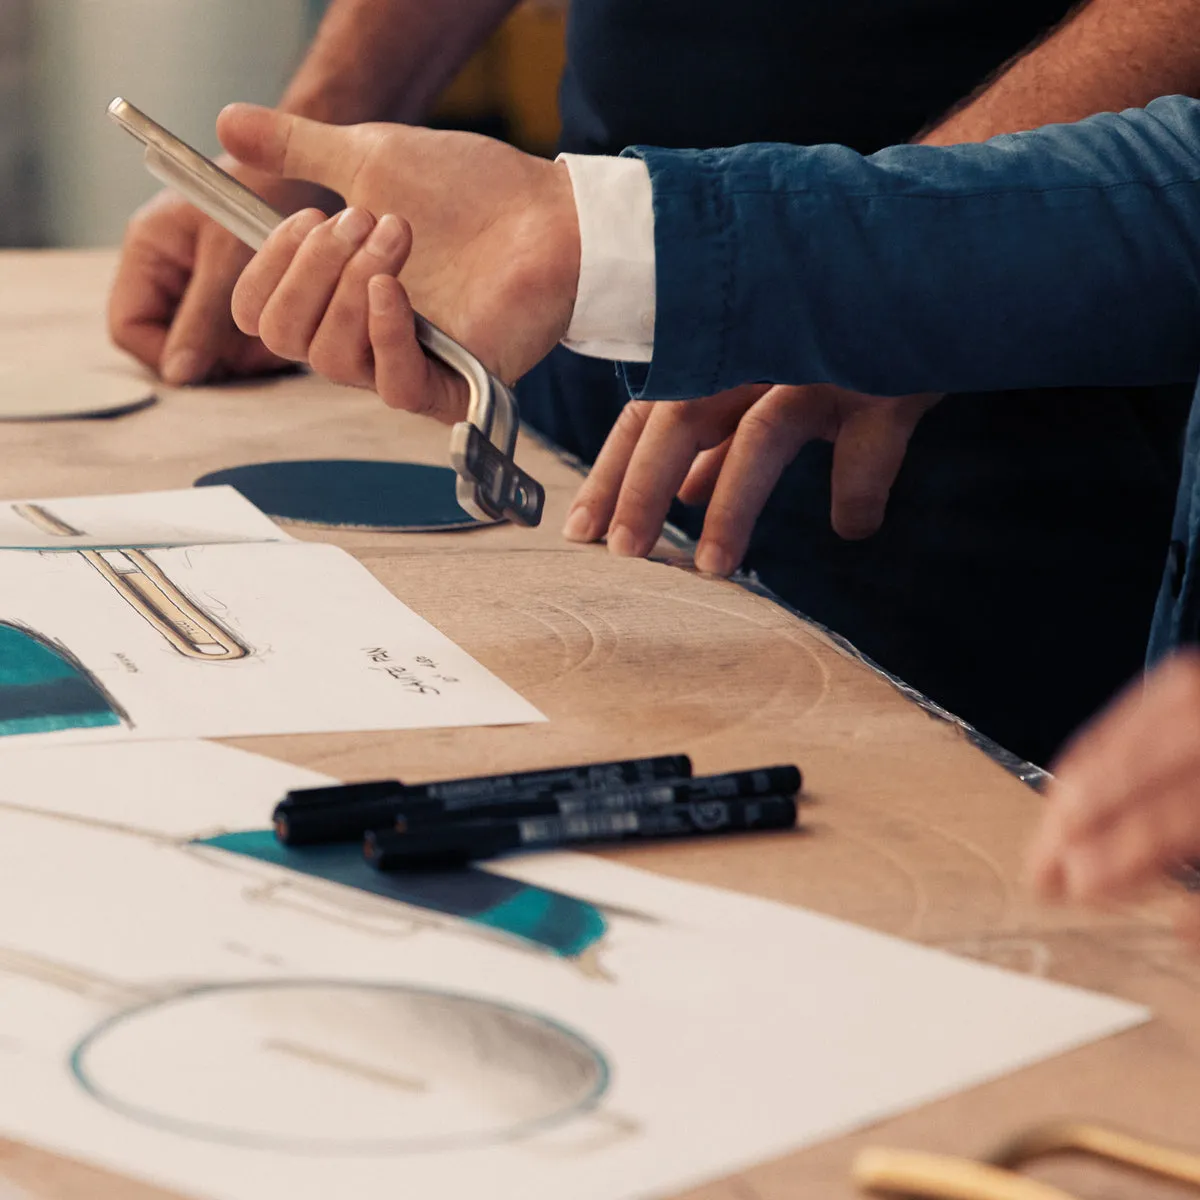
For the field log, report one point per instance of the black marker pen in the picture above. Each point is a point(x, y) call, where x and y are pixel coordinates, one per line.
point(767, 781)
point(344, 812)
point(453, 845)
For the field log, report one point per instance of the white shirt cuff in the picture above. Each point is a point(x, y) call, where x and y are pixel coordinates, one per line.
point(614, 307)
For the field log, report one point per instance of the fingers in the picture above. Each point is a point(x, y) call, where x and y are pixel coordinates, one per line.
point(305, 293)
point(324, 291)
point(1139, 847)
point(404, 375)
point(155, 266)
point(202, 333)
point(1125, 805)
point(285, 291)
point(701, 480)
point(644, 463)
point(867, 455)
point(169, 304)
point(594, 503)
point(768, 437)
point(295, 147)
point(341, 349)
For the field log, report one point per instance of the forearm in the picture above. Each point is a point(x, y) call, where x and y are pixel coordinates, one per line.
point(1106, 56)
point(387, 59)
point(1065, 256)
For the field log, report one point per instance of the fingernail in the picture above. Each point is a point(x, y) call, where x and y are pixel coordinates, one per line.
point(714, 559)
point(622, 543)
point(353, 225)
point(379, 295)
point(182, 367)
point(384, 238)
point(578, 526)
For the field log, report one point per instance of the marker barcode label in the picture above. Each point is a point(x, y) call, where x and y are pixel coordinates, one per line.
point(581, 825)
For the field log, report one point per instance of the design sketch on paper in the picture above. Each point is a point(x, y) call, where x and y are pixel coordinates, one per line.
point(437, 1070)
point(545, 920)
point(147, 589)
point(143, 585)
point(45, 688)
point(382, 1068)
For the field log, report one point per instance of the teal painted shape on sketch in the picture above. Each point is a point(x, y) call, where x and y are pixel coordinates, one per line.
point(545, 918)
point(562, 924)
point(42, 690)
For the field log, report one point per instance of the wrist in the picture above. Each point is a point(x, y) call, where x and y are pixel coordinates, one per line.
point(564, 242)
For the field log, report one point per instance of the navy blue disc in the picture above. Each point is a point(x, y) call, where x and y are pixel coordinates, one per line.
point(394, 497)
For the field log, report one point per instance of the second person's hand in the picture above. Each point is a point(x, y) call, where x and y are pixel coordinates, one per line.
point(729, 450)
point(169, 302)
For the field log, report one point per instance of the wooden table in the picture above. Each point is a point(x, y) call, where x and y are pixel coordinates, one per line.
point(915, 831)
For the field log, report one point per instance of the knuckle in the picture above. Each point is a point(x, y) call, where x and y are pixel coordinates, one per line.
point(764, 425)
point(634, 498)
point(633, 417)
point(332, 361)
point(724, 517)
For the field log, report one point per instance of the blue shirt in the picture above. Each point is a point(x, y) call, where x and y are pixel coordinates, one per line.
point(1066, 256)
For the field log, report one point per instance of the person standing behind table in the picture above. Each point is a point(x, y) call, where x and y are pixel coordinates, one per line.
point(990, 561)
point(1015, 512)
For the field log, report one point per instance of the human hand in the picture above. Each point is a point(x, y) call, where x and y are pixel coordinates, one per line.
point(495, 249)
point(730, 450)
point(1123, 810)
point(323, 290)
point(169, 303)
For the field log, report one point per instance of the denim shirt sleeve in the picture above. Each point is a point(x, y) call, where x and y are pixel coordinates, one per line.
point(1069, 255)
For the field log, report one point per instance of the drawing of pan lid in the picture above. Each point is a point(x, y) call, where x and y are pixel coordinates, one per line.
point(44, 688)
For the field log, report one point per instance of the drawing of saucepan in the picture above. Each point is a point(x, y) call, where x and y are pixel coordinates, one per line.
point(143, 585)
point(318, 1066)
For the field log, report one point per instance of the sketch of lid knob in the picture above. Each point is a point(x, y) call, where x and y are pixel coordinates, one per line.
point(340, 1067)
point(147, 589)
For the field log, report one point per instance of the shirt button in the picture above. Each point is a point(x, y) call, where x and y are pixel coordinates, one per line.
point(1176, 566)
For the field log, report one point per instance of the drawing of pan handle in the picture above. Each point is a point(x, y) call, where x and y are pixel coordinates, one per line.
point(41, 517)
point(142, 584)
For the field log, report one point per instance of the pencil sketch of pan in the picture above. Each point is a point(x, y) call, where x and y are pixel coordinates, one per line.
point(315, 1066)
point(143, 585)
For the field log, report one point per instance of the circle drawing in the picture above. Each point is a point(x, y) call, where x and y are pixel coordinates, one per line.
point(390, 497)
point(329, 1067)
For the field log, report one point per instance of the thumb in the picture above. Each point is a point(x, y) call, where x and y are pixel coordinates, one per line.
point(294, 147)
point(203, 328)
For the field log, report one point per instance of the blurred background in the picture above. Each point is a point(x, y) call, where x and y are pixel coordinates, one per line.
point(70, 178)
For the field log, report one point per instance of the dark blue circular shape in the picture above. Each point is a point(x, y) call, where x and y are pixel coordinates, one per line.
point(399, 497)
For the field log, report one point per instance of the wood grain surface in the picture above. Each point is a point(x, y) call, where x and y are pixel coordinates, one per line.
point(911, 830)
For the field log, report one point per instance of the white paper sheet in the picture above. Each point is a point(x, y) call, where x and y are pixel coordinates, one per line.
point(235, 1030)
point(312, 643)
point(184, 517)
